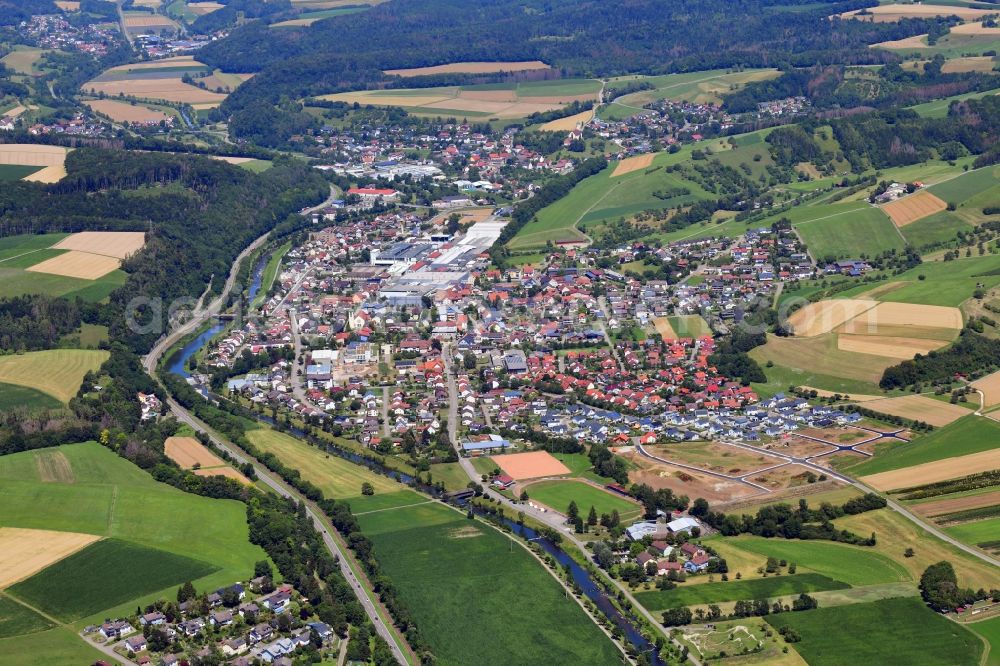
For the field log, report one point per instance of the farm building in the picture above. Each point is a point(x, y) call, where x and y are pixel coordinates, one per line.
point(685, 524)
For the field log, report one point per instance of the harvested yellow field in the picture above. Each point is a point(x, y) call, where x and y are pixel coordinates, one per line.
point(123, 112)
point(932, 472)
point(363, 97)
point(152, 4)
point(969, 64)
point(68, 5)
point(148, 21)
point(891, 347)
point(31, 154)
point(205, 107)
point(225, 81)
point(919, 408)
point(452, 100)
point(892, 13)
point(232, 160)
point(663, 327)
point(824, 316)
point(58, 372)
point(202, 8)
point(15, 112)
point(188, 452)
point(915, 42)
point(895, 315)
point(914, 207)
point(976, 28)
point(169, 90)
point(470, 68)
point(569, 123)
point(173, 61)
point(630, 164)
point(118, 244)
point(25, 552)
point(990, 386)
point(823, 393)
point(82, 265)
point(227, 472)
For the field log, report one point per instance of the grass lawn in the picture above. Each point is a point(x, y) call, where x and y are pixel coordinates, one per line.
point(383, 501)
point(484, 464)
point(336, 477)
point(937, 228)
point(56, 647)
point(689, 326)
point(734, 637)
point(56, 372)
point(558, 494)
point(854, 565)
point(895, 534)
point(867, 633)
point(103, 575)
point(13, 246)
point(87, 488)
point(17, 171)
point(269, 273)
point(967, 435)
point(736, 590)
point(451, 474)
point(20, 397)
point(945, 282)
point(990, 630)
point(939, 107)
point(475, 595)
point(17, 620)
point(851, 233)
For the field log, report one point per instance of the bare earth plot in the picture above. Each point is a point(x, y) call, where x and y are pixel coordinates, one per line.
point(914, 207)
point(118, 244)
point(225, 471)
point(82, 265)
point(932, 472)
point(990, 386)
point(470, 68)
point(531, 465)
point(24, 552)
point(630, 164)
point(824, 316)
point(686, 482)
point(919, 408)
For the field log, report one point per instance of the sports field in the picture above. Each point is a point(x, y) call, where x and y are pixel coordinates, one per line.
point(558, 494)
point(494, 100)
point(865, 633)
point(335, 476)
point(466, 585)
point(736, 590)
point(87, 488)
point(57, 372)
point(530, 465)
point(963, 437)
point(104, 575)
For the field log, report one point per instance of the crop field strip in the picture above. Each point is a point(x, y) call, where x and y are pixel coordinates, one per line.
point(25, 552)
point(736, 590)
point(56, 372)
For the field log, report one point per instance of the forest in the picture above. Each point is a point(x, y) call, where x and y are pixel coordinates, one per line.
point(341, 53)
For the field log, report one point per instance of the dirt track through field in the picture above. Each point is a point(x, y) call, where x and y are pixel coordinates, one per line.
point(531, 465)
point(118, 244)
point(914, 207)
point(919, 408)
point(82, 265)
point(630, 164)
point(932, 472)
point(824, 316)
point(188, 452)
point(24, 552)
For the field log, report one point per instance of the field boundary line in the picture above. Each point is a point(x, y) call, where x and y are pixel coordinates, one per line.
point(23, 254)
point(394, 508)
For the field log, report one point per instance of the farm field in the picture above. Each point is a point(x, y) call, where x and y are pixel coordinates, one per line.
point(824, 316)
point(904, 628)
point(13, 397)
point(335, 476)
point(990, 386)
point(55, 647)
point(123, 112)
point(895, 533)
point(77, 586)
point(976, 532)
point(189, 452)
point(967, 185)
point(567, 124)
point(308, 18)
point(919, 408)
point(735, 590)
point(558, 494)
point(854, 565)
point(17, 620)
point(470, 68)
point(51, 159)
point(505, 101)
point(931, 472)
point(87, 488)
point(689, 326)
point(990, 630)
point(74, 264)
point(939, 107)
point(26, 552)
point(965, 436)
point(848, 231)
point(894, 12)
point(161, 80)
point(443, 564)
point(17, 171)
point(22, 59)
point(954, 282)
point(56, 372)
point(914, 207)
point(942, 506)
point(811, 361)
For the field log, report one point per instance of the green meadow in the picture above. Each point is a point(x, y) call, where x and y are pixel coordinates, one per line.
point(736, 590)
point(558, 495)
point(476, 595)
point(854, 565)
